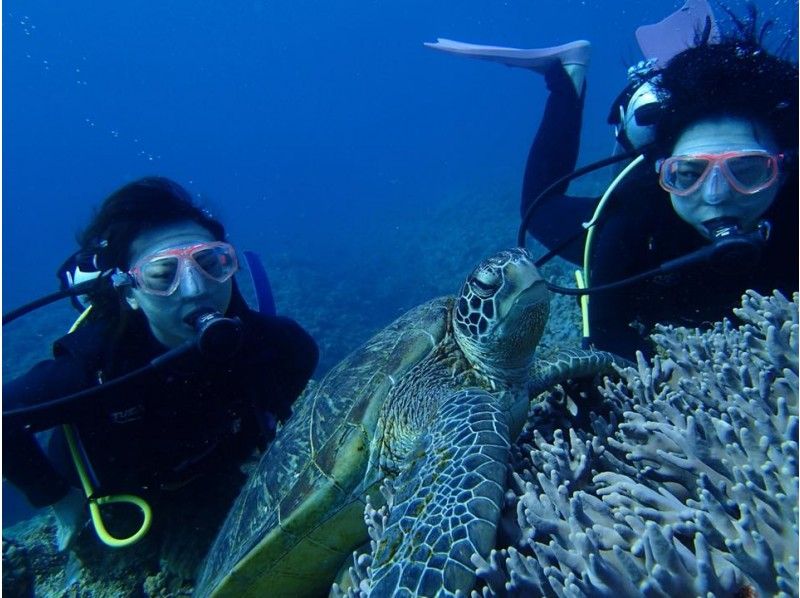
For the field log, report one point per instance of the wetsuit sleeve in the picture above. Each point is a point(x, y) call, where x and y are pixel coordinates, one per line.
point(553, 154)
point(295, 365)
point(24, 462)
point(285, 357)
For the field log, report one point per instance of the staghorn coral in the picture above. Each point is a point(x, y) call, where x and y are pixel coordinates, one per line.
point(687, 484)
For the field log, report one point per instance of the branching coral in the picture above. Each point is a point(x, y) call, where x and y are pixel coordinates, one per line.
point(357, 580)
point(695, 492)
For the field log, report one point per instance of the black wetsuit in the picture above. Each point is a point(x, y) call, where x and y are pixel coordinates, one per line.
point(167, 427)
point(640, 231)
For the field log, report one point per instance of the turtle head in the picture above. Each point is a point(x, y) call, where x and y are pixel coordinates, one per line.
point(501, 312)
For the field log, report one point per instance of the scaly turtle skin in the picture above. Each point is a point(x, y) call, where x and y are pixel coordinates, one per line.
point(432, 403)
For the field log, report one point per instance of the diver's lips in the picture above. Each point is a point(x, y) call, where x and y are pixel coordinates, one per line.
point(192, 314)
point(195, 313)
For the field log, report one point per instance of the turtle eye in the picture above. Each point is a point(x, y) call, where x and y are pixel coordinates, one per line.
point(485, 287)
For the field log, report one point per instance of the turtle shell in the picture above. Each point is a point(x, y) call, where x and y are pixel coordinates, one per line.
point(300, 514)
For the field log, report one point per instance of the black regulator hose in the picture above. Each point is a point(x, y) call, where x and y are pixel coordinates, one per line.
point(730, 249)
point(526, 218)
point(83, 288)
point(218, 338)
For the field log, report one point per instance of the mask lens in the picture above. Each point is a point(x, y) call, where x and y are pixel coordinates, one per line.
point(158, 274)
point(681, 174)
point(218, 262)
point(751, 171)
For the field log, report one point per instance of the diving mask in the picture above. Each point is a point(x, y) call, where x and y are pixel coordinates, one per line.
point(747, 171)
point(160, 273)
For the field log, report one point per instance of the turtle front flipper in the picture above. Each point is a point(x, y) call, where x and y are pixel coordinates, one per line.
point(447, 501)
point(571, 363)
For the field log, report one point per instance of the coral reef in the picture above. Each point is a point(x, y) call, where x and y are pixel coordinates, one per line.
point(684, 481)
point(161, 565)
point(38, 569)
point(693, 492)
point(17, 574)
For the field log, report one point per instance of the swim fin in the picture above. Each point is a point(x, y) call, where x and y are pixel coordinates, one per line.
point(678, 32)
point(536, 59)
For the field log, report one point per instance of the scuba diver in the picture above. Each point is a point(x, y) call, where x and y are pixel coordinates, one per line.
point(169, 383)
point(707, 210)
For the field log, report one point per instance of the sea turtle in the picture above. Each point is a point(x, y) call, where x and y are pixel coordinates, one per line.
point(432, 403)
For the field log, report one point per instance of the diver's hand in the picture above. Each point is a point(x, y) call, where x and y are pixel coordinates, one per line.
point(71, 516)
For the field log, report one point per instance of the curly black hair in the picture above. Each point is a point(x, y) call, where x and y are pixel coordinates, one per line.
point(736, 76)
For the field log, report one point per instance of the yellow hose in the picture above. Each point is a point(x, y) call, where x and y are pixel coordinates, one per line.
point(95, 502)
point(584, 280)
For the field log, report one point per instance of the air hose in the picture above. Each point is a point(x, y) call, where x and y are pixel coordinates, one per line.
point(82, 465)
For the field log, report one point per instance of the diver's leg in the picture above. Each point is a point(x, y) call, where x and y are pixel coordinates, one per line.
point(554, 151)
point(555, 148)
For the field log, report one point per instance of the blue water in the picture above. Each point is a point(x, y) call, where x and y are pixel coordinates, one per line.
point(312, 129)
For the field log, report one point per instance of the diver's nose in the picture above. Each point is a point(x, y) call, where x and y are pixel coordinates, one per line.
point(716, 187)
point(192, 283)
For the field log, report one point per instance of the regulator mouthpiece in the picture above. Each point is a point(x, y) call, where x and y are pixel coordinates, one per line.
point(218, 337)
point(731, 248)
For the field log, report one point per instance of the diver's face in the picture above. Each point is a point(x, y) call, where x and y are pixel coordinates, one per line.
point(166, 314)
point(716, 198)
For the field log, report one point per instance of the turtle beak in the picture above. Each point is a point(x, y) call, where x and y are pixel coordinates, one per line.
point(534, 296)
point(523, 325)
point(533, 288)
point(535, 293)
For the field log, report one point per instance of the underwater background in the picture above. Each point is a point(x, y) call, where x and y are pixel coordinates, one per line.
point(369, 172)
